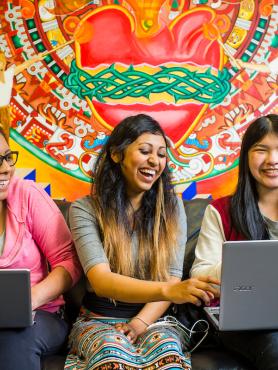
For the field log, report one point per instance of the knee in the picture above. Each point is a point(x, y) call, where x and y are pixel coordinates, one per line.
point(16, 343)
point(164, 336)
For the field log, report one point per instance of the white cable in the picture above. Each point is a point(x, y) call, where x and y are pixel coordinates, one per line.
point(173, 322)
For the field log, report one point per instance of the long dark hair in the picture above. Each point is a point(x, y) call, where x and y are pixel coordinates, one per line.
point(245, 214)
point(155, 222)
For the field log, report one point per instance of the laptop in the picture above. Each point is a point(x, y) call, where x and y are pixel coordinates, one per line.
point(15, 293)
point(249, 288)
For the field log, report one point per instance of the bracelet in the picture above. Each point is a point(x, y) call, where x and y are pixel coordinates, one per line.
point(138, 318)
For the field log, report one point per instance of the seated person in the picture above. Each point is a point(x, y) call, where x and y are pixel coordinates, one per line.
point(33, 235)
point(251, 213)
point(130, 235)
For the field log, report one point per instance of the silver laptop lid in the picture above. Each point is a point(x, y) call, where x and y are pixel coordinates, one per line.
point(15, 293)
point(249, 297)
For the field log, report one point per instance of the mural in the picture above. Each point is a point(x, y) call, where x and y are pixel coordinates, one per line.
point(100, 61)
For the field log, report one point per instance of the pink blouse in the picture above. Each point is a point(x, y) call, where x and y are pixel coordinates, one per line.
point(37, 236)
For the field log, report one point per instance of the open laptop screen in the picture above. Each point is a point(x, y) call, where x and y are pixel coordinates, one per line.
point(15, 293)
point(249, 298)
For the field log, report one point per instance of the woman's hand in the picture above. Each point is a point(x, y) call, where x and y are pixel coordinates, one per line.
point(126, 289)
point(130, 330)
point(194, 290)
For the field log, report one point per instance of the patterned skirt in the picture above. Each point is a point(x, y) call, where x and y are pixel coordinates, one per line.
point(97, 345)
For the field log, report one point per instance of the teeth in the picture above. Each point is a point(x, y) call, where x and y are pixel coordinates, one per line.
point(150, 172)
point(4, 184)
point(271, 171)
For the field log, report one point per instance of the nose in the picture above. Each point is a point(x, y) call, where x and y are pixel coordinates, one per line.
point(272, 157)
point(5, 167)
point(153, 160)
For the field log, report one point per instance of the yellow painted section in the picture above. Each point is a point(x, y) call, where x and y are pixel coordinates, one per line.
point(62, 185)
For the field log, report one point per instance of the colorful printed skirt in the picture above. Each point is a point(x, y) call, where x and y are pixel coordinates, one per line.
point(97, 345)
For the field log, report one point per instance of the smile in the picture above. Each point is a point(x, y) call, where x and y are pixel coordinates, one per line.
point(147, 172)
point(271, 172)
point(4, 184)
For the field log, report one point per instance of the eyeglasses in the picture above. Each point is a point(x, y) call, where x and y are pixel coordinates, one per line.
point(10, 158)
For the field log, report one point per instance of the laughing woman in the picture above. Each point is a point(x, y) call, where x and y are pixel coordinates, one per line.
point(34, 235)
point(130, 234)
point(250, 214)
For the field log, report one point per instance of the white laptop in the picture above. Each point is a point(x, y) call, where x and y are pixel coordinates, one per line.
point(249, 287)
point(15, 293)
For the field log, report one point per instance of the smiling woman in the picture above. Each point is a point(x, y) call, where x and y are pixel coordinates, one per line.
point(251, 213)
point(130, 235)
point(33, 234)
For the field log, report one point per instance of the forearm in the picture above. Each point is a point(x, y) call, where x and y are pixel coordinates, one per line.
point(255, 66)
point(56, 283)
point(204, 269)
point(151, 312)
point(208, 252)
point(123, 288)
point(126, 289)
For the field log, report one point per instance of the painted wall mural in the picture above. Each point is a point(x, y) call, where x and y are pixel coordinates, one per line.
point(173, 59)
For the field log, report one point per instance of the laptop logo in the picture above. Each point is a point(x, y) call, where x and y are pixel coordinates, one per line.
point(243, 288)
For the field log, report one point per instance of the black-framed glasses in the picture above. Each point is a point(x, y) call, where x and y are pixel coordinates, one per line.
point(10, 158)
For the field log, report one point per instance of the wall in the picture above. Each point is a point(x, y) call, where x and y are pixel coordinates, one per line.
point(119, 58)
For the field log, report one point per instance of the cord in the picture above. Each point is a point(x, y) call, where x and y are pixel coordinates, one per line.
point(173, 322)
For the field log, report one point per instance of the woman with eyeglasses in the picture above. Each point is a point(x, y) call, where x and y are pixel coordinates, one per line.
point(34, 235)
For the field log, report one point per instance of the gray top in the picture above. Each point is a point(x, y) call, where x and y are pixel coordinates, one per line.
point(272, 228)
point(88, 243)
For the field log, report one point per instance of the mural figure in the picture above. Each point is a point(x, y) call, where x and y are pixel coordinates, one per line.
point(271, 68)
point(178, 61)
point(6, 84)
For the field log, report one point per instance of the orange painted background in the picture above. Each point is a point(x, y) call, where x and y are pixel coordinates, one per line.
point(170, 59)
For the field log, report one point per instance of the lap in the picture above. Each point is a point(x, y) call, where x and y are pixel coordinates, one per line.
point(45, 336)
point(95, 342)
point(259, 347)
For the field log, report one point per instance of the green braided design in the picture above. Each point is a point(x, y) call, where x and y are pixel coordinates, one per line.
point(178, 82)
